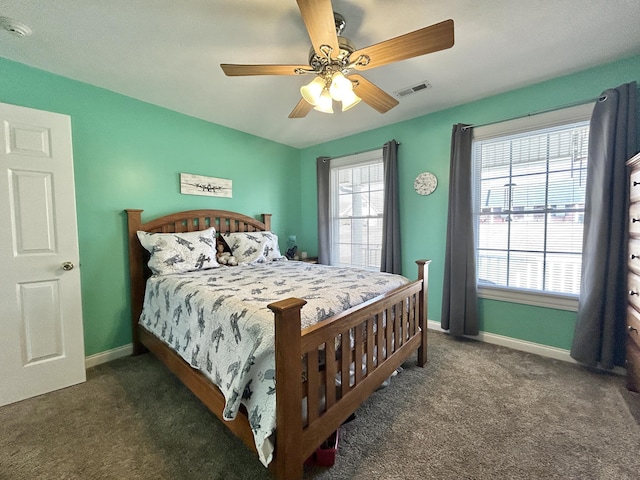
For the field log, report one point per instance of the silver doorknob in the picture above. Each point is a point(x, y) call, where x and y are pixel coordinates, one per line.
point(66, 266)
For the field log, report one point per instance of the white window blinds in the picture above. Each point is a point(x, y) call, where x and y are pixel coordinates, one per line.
point(357, 196)
point(529, 208)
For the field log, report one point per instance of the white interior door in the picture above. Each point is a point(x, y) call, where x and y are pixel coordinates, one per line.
point(41, 334)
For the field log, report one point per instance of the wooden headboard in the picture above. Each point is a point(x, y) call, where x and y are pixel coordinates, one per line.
point(189, 221)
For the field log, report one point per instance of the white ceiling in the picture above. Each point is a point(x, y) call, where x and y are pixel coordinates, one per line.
point(167, 52)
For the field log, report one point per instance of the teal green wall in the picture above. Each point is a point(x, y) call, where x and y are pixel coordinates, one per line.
point(128, 154)
point(425, 146)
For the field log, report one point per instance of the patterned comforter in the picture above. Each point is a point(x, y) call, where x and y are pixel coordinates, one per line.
point(218, 321)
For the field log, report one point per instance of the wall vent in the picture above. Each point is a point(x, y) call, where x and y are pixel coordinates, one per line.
point(403, 92)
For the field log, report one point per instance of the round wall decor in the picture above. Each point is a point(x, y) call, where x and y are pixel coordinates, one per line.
point(425, 183)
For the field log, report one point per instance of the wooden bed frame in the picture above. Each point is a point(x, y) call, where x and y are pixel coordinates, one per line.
point(296, 437)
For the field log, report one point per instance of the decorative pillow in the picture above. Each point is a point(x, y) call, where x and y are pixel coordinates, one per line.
point(253, 247)
point(180, 252)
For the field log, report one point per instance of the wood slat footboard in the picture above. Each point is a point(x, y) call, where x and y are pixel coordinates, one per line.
point(361, 346)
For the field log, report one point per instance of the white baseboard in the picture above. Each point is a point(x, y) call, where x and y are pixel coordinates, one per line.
point(104, 357)
point(522, 345)
point(493, 338)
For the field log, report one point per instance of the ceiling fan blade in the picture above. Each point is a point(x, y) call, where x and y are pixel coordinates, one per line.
point(372, 95)
point(301, 109)
point(319, 20)
point(420, 42)
point(232, 70)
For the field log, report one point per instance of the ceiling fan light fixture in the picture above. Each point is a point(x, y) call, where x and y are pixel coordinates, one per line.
point(312, 92)
point(350, 100)
point(332, 57)
point(340, 86)
point(325, 103)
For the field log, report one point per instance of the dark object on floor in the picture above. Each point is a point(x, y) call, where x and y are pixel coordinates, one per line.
point(325, 455)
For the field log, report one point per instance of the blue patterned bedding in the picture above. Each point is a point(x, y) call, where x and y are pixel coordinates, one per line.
point(218, 321)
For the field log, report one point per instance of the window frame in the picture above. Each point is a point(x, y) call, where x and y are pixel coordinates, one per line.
point(532, 123)
point(370, 157)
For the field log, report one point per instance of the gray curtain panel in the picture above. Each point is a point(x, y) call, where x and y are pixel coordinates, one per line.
point(324, 213)
point(391, 256)
point(599, 337)
point(459, 296)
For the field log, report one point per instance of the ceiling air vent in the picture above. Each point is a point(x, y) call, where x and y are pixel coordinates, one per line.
point(403, 92)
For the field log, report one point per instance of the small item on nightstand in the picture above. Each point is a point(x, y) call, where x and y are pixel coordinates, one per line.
point(292, 253)
point(292, 249)
point(303, 255)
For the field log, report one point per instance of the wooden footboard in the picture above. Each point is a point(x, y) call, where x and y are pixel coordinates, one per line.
point(360, 347)
point(344, 359)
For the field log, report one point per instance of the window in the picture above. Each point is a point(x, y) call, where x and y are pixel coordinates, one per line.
point(357, 200)
point(530, 179)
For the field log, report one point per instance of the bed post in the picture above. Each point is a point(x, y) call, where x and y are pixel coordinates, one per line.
point(288, 455)
point(423, 274)
point(266, 219)
point(136, 274)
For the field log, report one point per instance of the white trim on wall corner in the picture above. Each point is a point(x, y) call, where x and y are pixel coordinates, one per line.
point(522, 345)
point(109, 355)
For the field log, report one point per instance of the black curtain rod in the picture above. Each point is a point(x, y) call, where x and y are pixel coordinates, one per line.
point(601, 98)
point(361, 151)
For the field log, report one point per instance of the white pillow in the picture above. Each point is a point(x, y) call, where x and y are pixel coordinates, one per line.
point(180, 252)
point(253, 247)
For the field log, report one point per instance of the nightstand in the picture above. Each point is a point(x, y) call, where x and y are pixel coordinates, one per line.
point(309, 260)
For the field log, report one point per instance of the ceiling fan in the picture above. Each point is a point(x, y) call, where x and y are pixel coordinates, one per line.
point(333, 60)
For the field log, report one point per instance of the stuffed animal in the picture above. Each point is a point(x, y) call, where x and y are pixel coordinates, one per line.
point(225, 258)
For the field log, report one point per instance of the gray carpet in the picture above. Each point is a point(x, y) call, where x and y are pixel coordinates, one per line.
point(477, 411)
